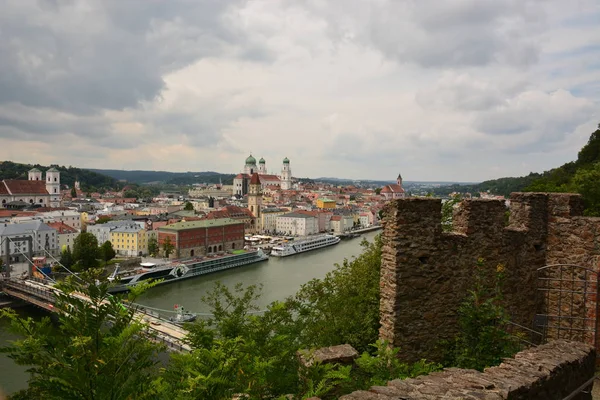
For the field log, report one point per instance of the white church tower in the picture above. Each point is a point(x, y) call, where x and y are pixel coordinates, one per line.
point(53, 186)
point(286, 175)
point(35, 174)
point(262, 166)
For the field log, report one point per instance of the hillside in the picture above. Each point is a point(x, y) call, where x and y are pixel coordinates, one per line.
point(175, 178)
point(89, 180)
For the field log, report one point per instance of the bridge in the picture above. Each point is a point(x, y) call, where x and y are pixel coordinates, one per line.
point(41, 293)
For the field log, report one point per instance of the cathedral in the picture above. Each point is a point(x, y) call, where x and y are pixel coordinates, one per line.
point(34, 191)
point(241, 181)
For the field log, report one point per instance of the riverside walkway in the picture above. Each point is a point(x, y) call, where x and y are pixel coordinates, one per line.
point(42, 294)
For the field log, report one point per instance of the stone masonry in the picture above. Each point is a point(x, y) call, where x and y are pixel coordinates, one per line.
point(548, 372)
point(426, 273)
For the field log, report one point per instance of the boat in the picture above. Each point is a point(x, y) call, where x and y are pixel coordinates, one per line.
point(184, 269)
point(300, 246)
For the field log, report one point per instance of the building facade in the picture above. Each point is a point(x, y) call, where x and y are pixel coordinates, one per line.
point(44, 240)
point(202, 237)
point(66, 235)
point(268, 219)
point(255, 202)
point(129, 240)
point(241, 183)
point(393, 191)
point(297, 224)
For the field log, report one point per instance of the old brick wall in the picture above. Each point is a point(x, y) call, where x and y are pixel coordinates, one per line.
point(548, 372)
point(425, 273)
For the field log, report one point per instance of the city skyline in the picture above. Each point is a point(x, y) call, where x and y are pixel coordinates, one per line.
point(467, 91)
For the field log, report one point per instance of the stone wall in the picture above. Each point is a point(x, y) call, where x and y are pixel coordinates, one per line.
point(426, 273)
point(548, 372)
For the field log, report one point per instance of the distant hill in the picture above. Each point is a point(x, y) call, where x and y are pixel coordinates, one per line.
point(89, 180)
point(175, 178)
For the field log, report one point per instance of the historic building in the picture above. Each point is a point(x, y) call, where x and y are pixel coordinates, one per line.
point(393, 191)
point(34, 191)
point(242, 181)
point(195, 238)
point(255, 201)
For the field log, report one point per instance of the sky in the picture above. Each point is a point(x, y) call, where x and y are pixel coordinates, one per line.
point(461, 90)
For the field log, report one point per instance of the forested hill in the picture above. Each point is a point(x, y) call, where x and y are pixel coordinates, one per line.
point(175, 178)
point(579, 176)
point(89, 180)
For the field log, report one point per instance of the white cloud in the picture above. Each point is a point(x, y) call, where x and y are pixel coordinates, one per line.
point(463, 90)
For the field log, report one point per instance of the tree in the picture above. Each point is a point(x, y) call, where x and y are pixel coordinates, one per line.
point(188, 206)
point(107, 252)
point(168, 247)
point(377, 191)
point(73, 192)
point(97, 350)
point(448, 210)
point(66, 257)
point(153, 246)
point(587, 182)
point(102, 219)
point(85, 251)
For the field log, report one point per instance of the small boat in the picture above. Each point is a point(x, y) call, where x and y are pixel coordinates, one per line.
point(182, 316)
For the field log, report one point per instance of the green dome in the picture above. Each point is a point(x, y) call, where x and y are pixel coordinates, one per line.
point(286, 161)
point(261, 161)
point(251, 160)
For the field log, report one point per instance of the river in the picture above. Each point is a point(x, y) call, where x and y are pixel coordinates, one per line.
point(280, 277)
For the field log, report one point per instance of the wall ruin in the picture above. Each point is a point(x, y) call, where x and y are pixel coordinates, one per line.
point(425, 273)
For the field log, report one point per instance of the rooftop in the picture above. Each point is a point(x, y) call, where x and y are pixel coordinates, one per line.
point(205, 223)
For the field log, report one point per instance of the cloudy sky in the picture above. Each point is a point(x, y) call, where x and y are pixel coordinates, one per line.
point(460, 90)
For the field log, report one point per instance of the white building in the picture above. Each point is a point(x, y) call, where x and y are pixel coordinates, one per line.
point(297, 224)
point(66, 235)
point(102, 231)
point(269, 219)
point(44, 238)
point(241, 181)
point(33, 191)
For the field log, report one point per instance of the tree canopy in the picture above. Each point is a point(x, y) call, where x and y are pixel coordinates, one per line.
point(85, 251)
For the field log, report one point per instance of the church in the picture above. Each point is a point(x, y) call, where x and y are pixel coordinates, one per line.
point(34, 191)
point(241, 181)
point(393, 191)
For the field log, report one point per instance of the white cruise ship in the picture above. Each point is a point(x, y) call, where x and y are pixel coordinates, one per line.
point(300, 246)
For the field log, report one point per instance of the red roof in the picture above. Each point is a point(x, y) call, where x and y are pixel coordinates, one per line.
point(241, 176)
point(61, 227)
point(394, 188)
point(266, 177)
point(255, 179)
point(25, 187)
point(336, 218)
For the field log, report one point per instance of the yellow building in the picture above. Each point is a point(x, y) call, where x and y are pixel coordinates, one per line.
point(129, 240)
point(325, 204)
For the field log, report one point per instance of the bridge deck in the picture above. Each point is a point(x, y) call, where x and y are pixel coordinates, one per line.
point(42, 295)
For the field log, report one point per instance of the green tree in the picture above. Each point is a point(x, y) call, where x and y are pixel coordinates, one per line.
point(343, 307)
point(66, 257)
point(85, 251)
point(482, 340)
point(168, 247)
point(188, 206)
point(102, 219)
point(73, 192)
point(97, 350)
point(107, 252)
point(587, 182)
point(153, 246)
point(447, 212)
point(378, 191)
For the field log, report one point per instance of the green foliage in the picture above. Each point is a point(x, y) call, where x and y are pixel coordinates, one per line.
point(188, 206)
point(153, 246)
point(85, 251)
point(95, 351)
point(343, 307)
point(73, 192)
point(483, 340)
point(103, 219)
point(586, 181)
point(385, 365)
point(175, 178)
point(66, 257)
point(107, 252)
point(448, 210)
point(168, 247)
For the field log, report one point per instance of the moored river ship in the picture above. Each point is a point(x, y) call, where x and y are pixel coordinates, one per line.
point(300, 246)
point(183, 269)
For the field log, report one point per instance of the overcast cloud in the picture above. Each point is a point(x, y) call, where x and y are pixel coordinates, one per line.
point(462, 90)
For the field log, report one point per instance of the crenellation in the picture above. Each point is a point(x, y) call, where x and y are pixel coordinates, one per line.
point(425, 274)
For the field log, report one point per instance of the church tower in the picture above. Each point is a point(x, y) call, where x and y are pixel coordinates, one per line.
point(53, 186)
point(255, 200)
point(262, 166)
point(35, 174)
point(286, 175)
point(250, 166)
point(399, 180)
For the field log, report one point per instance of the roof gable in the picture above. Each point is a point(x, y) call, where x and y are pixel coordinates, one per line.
point(16, 187)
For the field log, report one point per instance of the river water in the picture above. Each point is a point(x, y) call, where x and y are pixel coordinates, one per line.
point(280, 277)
